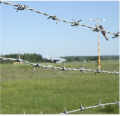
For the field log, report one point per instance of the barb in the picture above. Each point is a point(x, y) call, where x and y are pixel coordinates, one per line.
point(116, 35)
point(22, 7)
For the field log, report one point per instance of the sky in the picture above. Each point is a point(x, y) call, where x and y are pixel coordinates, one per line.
point(29, 32)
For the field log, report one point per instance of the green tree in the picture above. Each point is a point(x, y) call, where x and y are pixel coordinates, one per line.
point(70, 59)
point(77, 59)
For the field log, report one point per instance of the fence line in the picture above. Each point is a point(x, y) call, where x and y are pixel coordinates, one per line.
point(83, 108)
point(22, 7)
point(65, 69)
point(81, 70)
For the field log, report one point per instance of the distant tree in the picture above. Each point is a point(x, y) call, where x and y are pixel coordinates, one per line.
point(96, 58)
point(70, 59)
point(77, 59)
point(89, 58)
point(29, 57)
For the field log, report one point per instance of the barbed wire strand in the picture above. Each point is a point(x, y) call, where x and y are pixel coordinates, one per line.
point(83, 108)
point(22, 7)
point(65, 69)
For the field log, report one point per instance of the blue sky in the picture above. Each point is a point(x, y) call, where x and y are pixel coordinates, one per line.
point(29, 32)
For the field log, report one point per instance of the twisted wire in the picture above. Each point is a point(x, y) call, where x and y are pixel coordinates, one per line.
point(22, 7)
point(83, 108)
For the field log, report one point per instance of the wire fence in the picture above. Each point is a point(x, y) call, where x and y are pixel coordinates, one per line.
point(83, 70)
point(84, 108)
point(54, 17)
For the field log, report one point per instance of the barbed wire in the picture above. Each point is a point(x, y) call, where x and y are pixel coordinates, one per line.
point(83, 108)
point(100, 71)
point(22, 7)
point(54, 17)
point(74, 69)
point(83, 70)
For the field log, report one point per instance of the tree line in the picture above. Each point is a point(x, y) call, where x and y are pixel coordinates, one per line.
point(34, 58)
point(28, 57)
point(90, 58)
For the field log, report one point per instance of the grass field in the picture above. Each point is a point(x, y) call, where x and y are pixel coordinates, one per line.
point(23, 90)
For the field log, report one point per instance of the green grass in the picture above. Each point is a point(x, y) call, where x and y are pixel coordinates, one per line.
point(47, 91)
